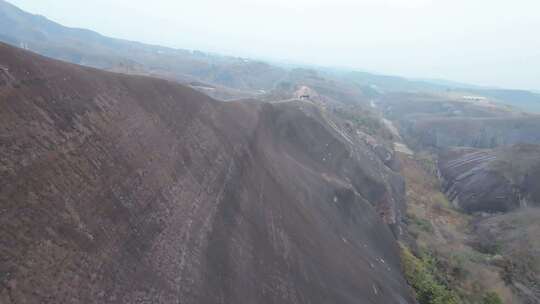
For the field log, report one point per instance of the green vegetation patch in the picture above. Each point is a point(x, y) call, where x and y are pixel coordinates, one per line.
point(419, 223)
point(492, 298)
point(420, 273)
point(441, 200)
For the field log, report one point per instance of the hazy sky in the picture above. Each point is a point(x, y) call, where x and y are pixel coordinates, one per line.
point(491, 42)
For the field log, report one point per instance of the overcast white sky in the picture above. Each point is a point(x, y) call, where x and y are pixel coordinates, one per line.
point(490, 42)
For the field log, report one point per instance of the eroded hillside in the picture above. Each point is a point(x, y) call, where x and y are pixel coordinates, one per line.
point(472, 199)
point(126, 189)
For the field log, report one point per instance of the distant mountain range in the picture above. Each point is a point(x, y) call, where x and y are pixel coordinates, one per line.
point(522, 99)
point(85, 47)
point(80, 46)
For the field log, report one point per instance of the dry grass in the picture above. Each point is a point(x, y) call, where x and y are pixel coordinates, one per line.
point(468, 272)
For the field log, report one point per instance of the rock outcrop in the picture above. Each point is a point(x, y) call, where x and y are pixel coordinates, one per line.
point(492, 180)
point(127, 189)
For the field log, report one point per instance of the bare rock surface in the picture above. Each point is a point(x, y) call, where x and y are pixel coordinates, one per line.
point(492, 180)
point(128, 189)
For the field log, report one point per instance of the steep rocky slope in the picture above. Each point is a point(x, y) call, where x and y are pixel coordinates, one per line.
point(472, 198)
point(492, 180)
point(502, 186)
point(444, 243)
point(126, 189)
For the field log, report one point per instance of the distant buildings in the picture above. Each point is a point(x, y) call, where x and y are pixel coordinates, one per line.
point(474, 98)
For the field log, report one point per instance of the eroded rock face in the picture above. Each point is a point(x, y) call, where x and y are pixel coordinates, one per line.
point(122, 189)
point(492, 180)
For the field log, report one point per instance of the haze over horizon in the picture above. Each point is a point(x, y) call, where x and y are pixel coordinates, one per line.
point(249, 162)
point(482, 42)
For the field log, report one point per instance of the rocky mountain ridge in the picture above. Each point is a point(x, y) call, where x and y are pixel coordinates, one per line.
point(130, 189)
